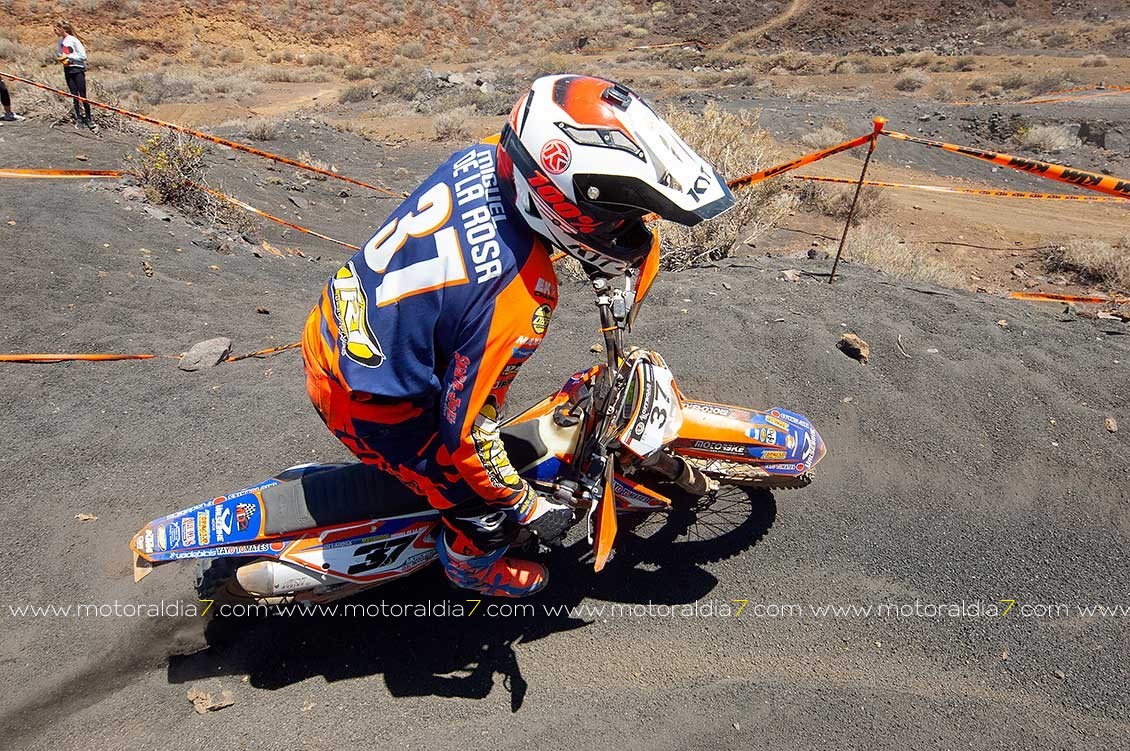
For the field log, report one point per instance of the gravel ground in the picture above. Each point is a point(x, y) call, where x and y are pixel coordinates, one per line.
point(972, 469)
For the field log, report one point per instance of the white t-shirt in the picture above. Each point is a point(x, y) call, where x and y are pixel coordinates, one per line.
point(72, 48)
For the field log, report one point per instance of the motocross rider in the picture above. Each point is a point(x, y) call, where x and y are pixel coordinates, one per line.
point(413, 346)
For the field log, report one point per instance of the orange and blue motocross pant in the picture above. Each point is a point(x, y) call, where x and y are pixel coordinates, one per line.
point(402, 439)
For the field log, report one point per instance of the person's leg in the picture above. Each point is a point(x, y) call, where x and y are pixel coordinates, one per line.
point(81, 86)
point(403, 441)
point(6, 100)
point(72, 86)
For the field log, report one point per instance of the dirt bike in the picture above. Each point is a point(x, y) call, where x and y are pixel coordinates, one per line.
point(618, 441)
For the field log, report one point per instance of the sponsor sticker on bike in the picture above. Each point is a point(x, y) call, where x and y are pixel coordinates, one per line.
point(188, 531)
point(162, 538)
point(174, 535)
point(203, 531)
point(243, 514)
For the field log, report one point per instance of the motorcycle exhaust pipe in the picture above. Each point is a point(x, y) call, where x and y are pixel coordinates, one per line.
point(274, 578)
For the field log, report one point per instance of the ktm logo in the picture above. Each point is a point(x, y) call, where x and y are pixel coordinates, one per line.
point(555, 157)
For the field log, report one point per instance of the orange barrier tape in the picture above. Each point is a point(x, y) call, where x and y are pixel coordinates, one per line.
point(101, 357)
point(1089, 97)
point(1077, 89)
point(206, 137)
point(694, 42)
point(68, 357)
point(57, 173)
point(1056, 297)
point(264, 352)
point(968, 191)
point(49, 173)
point(765, 174)
point(277, 220)
point(1101, 183)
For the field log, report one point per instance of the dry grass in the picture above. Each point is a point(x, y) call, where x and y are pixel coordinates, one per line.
point(835, 201)
point(262, 129)
point(1096, 61)
point(1093, 262)
point(823, 137)
point(307, 158)
point(452, 125)
point(1046, 139)
point(736, 144)
point(911, 80)
point(874, 246)
point(353, 94)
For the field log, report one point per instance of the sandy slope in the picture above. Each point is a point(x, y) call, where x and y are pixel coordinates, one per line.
point(976, 469)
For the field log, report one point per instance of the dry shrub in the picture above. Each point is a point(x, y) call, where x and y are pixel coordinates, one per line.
point(413, 50)
point(1051, 80)
point(307, 158)
point(169, 167)
point(263, 129)
point(1093, 262)
point(942, 92)
point(281, 74)
point(964, 63)
point(1046, 139)
point(874, 246)
point(823, 137)
point(231, 55)
point(452, 125)
point(1013, 81)
point(736, 144)
point(166, 166)
point(1096, 61)
point(357, 73)
point(352, 94)
point(835, 201)
point(980, 83)
point(911, 80)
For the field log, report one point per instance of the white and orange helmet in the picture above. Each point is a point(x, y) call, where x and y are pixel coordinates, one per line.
point(585, 159)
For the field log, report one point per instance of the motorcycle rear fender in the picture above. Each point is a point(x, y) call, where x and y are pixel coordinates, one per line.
point(360, 551)
point(779, 441)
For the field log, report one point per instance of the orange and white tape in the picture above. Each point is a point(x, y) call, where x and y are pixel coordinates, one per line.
point(1081, 178)
point(967, 191)
point(108, 356)
point(259, 212)
point(58, 173)
point(801, 161)
point(204, 136)
point(1058, 297)
point(1049, 97)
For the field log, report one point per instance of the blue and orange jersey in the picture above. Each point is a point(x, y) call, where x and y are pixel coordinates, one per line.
point(434, 316)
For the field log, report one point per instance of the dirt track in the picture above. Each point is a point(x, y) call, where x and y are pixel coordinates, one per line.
point(976, 469)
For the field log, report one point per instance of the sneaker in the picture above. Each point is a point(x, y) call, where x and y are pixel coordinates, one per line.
point(9, 117)
point(493, 573)
point(92, 125)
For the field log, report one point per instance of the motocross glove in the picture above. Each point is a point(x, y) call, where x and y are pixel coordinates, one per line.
point(544, 518)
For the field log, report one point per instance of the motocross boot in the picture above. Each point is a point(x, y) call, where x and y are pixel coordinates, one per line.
point(490, 572)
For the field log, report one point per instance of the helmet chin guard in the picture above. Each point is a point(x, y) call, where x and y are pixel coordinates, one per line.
point(585, 160)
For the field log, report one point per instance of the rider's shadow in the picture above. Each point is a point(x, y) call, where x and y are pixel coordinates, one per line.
point(448, 653)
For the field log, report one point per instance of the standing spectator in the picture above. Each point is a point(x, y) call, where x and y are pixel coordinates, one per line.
point(6, 101)
point(73, 57)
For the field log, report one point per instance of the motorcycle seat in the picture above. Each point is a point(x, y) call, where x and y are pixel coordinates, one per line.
point(359, 492)
point(354, 492)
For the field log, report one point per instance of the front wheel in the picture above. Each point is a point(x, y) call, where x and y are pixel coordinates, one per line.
point(701, 529)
